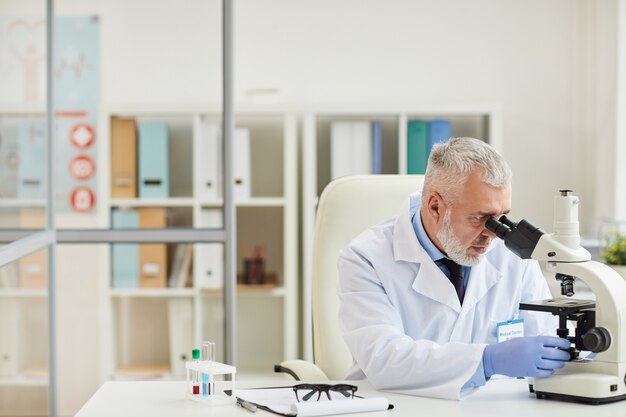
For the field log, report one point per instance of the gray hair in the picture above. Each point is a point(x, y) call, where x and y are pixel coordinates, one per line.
point(451, 162)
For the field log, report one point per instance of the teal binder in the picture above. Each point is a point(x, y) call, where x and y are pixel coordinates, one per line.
point(439, 130)
point(417, 147)
point(125, 256)
point(153, 160)
point(377, 147)
point(32, 159)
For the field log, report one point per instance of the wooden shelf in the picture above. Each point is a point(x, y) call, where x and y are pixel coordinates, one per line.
point(152, 292)
point(262, 202)
point(150, 371)
point(23, 292)
point(156, 202)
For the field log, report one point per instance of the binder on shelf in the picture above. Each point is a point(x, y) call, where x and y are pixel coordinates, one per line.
point(377, 147)
point(241, 165)
point(180, 318)
point(439, 130)
point(350, 148)
point(340, 149)
point(361, 148)
point(208, 160)
point(9, 276)
point(125, 256)
point(9, 273)
point(10, 340)
point(153, 160)
point(32, 159)
point(417, 147)
point(179, 275)
point(208, 259)
point(152, 256)
point(33, 268)
point(8, 159)
point(123, 158)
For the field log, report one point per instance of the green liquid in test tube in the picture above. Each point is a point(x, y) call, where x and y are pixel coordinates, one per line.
point(208, 354)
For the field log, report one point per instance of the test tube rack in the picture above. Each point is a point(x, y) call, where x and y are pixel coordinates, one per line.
point(212, 369)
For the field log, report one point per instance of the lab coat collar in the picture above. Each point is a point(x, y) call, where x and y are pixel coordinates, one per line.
point(406, 247)
point(430, 281)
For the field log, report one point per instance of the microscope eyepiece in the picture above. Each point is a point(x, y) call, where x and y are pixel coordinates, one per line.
point(520, 237)
point(507, 221)
point(496, 227)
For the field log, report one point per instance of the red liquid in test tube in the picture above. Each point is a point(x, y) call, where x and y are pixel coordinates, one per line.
point(195, 390)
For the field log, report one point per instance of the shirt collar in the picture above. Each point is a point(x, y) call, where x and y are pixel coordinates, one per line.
point(433, 252)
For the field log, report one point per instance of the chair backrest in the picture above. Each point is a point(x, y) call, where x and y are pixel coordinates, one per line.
point(347, 206)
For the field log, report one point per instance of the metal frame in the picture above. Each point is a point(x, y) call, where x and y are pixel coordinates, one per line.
point(230, 213)
point(620, 128)
point(22, 242)
point(51, 152)
point(122, 236)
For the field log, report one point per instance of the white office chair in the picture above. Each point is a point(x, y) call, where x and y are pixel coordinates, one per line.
point(347, 206)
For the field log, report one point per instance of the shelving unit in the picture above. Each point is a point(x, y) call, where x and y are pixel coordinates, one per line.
point(480, 121)
point(23, 300)
point(268, 217)
point(24, 368)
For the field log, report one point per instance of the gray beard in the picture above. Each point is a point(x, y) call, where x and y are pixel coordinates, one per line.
point(452, 246)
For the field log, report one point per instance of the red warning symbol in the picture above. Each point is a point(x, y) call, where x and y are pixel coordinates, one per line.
point(82, 135)
point(82, 167)
point(82, 199)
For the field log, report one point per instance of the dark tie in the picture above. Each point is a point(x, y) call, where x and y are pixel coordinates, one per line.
point(456, 276)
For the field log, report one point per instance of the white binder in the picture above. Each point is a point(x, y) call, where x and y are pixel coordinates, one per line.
point(208, 259)
point(180, 318)
point(208, 161)
point(9, 342)
point(241, 164)
point(350, 148)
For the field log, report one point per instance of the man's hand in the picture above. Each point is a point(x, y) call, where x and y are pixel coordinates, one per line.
point(533, 356)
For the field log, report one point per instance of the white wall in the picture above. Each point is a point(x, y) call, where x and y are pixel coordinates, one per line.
point(620, 150)
point(550, 65)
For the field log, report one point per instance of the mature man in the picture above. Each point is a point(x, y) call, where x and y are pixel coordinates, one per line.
point(423, 296)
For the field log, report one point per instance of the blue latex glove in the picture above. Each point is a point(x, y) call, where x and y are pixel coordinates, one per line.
point(533, 356)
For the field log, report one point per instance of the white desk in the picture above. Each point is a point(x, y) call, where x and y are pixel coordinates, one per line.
point(500, 397)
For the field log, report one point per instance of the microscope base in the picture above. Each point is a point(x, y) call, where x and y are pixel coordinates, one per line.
point(575, 398)
point(588, 387)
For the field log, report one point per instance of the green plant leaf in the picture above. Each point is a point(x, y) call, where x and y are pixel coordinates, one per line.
point(615, 252)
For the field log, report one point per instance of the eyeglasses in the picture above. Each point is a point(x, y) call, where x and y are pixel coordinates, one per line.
point(307, 392)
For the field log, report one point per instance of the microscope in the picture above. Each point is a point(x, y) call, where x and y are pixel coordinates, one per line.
point(600, 323)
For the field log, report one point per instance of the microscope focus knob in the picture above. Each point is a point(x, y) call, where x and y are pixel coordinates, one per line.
point(597, 339)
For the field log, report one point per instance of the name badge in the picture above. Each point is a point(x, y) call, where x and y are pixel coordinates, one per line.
point(510, 329)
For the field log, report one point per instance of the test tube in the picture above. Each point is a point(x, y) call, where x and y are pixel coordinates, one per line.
point(208, 354)
point(205, 376)
point(195, 380)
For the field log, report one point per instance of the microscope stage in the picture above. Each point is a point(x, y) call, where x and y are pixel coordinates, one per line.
point(559, 305)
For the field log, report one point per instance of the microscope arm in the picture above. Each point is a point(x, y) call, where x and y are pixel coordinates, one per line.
point(610, 290)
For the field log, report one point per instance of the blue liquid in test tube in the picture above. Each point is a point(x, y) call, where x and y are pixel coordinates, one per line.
point(205, 377)
point(208, 354)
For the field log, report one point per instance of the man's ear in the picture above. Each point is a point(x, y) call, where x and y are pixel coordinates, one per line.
point(436, 207)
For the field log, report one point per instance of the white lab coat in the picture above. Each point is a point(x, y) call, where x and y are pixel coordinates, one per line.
point(403, 323)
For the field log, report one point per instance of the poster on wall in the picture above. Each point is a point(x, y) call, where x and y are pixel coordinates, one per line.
point(76, 74)
point(22, 98)
point(76, 98)
point(22, 62)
